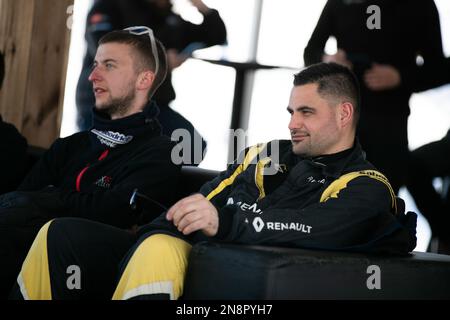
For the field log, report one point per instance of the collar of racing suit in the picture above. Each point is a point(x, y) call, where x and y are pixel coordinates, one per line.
point(334, 164)
point(113, 133)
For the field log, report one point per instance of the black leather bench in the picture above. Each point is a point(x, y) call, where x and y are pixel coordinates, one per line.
point(227, 272)
point(192, 178)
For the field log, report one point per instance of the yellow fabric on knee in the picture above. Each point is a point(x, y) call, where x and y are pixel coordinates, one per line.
point(157, 266)
point(34, 278)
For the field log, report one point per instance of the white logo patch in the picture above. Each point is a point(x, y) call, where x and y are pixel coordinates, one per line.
point(111, 139)
point(258, 224)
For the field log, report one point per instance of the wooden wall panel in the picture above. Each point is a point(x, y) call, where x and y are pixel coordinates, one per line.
point(35, 40)
point(16, 54)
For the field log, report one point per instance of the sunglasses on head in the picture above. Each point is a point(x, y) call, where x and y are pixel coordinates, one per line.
point(140, 31)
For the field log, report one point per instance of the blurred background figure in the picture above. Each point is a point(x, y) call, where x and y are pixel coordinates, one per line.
point(383, 50)
point(426, 163)
point(13, 160)
point(180, 38)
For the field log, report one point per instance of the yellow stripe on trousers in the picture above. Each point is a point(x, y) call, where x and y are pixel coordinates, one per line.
point(34, 278)
point(158, 266)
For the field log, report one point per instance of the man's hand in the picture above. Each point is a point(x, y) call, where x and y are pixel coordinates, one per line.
point(194, 213)
point(203, 8)
point(382, 77)
point(175, 59)
point(340, 57)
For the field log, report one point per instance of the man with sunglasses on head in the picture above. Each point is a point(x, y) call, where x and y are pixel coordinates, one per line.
point(93, 174)
point(314, 191)
point(180, 38)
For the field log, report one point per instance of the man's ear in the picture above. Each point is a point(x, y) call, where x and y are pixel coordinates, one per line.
point(145, 80)
point(345, 113)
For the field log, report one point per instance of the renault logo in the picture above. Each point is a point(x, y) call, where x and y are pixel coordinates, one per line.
point(258, 224)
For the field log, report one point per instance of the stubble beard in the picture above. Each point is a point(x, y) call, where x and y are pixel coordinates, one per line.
point(118, 106)
point(301, 149)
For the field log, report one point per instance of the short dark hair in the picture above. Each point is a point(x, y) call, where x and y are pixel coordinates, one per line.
point(333, 80)
point(2, 68)
point(143, 47)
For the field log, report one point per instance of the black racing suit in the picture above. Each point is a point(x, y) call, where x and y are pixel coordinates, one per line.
point(89, 175)
point(408, 29)
point(335, 202)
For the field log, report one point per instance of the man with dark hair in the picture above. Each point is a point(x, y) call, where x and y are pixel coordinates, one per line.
point(315, 191)
point(93, 174)
point(333, 84)
point(13, 161)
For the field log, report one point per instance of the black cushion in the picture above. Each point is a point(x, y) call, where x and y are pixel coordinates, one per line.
point(192, 178)
point(34, 155)
point(225, 271)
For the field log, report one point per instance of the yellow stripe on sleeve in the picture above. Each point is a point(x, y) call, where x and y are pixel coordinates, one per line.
point(341, 183)
point(251, 154)
point(259, 176)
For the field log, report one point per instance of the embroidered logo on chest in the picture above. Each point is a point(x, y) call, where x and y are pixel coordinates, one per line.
point(112, 139)
point(313, 180)
point(104, 182)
